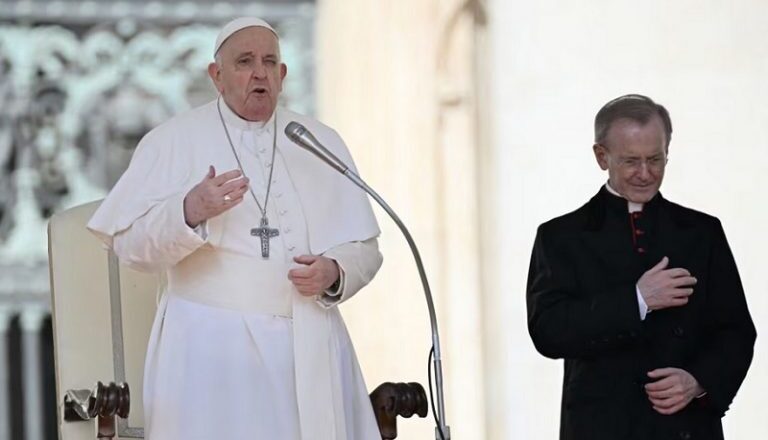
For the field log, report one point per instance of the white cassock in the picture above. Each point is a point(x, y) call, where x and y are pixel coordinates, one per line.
point(235, 351)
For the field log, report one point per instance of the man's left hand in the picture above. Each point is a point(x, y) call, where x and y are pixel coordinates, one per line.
point(317, 274)
point(672, 390)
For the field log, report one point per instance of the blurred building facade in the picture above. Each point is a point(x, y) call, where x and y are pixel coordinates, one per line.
point(80, 83)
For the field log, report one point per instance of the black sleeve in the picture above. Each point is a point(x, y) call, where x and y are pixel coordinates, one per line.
point(723, 363)
point(565, 322)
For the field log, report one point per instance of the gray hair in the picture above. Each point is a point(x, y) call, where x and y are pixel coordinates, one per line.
point(638, 108)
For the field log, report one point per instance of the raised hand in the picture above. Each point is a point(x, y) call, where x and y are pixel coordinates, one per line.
point(214, 195)
point(662, 288)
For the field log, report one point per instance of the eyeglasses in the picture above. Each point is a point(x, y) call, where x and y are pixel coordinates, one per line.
point(633, 164)
point(656, 163)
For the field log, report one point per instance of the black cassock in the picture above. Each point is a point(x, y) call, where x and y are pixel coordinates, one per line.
point(583, 307)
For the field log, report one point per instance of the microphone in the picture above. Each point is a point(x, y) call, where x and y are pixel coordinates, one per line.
point(304, 138)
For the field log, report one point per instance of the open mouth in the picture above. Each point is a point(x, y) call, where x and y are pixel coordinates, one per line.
point(260, 90)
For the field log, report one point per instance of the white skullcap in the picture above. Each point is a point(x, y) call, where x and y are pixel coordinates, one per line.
point(236, 25)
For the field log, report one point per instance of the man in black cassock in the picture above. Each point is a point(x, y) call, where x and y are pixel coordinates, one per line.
point(640, 296)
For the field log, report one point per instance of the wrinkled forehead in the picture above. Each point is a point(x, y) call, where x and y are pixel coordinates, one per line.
point(627, 132)
point(251, 39)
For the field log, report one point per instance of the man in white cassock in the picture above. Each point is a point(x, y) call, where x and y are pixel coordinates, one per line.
point(248, 342)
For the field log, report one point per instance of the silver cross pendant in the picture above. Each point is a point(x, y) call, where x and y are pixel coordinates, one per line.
point(264, 232)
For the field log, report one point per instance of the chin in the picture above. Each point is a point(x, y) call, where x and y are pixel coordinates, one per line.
point(641, 197)
point(259, 113)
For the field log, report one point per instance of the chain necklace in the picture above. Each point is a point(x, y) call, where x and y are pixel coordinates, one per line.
point(264, 232)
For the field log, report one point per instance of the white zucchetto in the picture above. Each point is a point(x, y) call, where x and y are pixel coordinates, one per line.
point(239, 24)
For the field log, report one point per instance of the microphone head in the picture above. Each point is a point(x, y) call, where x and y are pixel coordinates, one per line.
point(302, 137)
point(295, 131)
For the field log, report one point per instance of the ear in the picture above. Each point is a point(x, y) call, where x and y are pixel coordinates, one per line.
point(283, 72)
point(601, 155)
point(215, 73)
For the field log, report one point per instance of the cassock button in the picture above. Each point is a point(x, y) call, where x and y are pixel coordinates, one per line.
point(635, 215)
point(287, 229)
point(278, 195)
point(679, 331)
point(685, 435)
point(640, 250)
point(283, 211)
point(639, 232)
point(262, 150)
point(291, 247)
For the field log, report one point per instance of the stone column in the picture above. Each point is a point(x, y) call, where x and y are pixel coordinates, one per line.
point(460, 213)
point(398, 80)
point(31, 323)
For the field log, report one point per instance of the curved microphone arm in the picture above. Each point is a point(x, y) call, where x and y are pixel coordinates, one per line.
point(303, 138)
point(437, 362)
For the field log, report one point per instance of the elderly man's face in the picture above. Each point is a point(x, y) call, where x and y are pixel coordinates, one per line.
point(635, 156)
point(249, 74)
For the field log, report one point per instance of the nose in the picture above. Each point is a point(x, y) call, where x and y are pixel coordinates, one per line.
point(644, 172)
point(259, 71)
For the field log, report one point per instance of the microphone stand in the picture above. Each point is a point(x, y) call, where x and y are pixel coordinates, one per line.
point(436, 362)
point(298, 134)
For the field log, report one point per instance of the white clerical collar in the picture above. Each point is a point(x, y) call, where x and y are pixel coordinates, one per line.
point(631, 206)
point(233, 119)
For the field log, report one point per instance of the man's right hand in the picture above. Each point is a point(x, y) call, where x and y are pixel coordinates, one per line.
point(662, 288)
point(214, 195)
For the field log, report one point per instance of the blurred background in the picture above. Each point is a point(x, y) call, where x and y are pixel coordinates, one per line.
point(472, 118)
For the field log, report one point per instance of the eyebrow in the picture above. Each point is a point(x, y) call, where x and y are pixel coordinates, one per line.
point(250, 53)
point(634, 156)
point(243, 55)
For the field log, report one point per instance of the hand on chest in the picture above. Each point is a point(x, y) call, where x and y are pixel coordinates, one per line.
point(620, 252)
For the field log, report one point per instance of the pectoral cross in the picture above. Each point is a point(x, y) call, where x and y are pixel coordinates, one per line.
point(264, 232)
